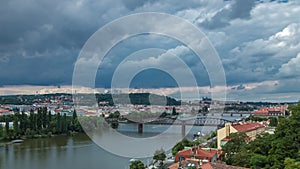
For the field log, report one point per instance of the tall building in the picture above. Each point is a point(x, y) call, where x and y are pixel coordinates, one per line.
point(252, 129)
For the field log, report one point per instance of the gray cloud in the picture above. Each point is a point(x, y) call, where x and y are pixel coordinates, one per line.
point(240, 9)
point(291, 69)
point(40, 40)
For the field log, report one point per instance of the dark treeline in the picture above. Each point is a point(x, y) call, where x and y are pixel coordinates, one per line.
point(40, 124)
point(30, 99)
point(111, 99)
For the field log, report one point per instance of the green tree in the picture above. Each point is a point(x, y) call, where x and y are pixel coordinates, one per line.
point(74, 118)
point(212, 135)
point(45, 118)
point(1, 131)
point(258, 161)
point(186, 142)
point(291, 164)
point(174, 113)
point(137, 165)
point(39, 120)
point(32, 120)
point(233, 146)
point(159, 156)
point(273, 121)
point(242, 159)
point(286, 142)
point(58, 123)
point(29, 133)
point(178, 147)
point(75, 125)
point(261, 145)
point(64, 123)
point(114, 124)
point(23, 123)
point(280, 150)
point(115, 115)
point(7, 133)
point(51, 124)
point(204, 109)
point(16, 125)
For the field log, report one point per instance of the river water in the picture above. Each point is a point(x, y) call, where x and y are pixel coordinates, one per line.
point(82, 152)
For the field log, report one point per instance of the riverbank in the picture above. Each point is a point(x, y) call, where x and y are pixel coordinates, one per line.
point(5, 141)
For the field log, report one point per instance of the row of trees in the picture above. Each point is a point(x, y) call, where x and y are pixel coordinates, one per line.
point(38, 124)
point(280, 150)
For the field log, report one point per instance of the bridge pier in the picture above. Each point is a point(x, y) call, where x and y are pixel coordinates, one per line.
point(140, 128)
point(183, 130)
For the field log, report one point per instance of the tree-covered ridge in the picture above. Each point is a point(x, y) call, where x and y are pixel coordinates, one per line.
point(110, 99)
point(280, 150)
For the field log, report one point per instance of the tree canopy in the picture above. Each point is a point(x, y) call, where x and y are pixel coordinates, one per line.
point(280, 150)
point(137, 165)
point(41, 123)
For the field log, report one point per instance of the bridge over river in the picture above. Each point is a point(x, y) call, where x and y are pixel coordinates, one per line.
point(215, 120)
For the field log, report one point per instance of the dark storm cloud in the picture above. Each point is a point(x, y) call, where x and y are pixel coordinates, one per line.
point(51, 69)
point(239, 9)
point(40, 40)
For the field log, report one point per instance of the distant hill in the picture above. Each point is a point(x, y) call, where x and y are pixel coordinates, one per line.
point(110, 99)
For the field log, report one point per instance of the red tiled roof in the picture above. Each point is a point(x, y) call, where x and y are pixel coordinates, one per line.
point(262, 111)
point(174, 166)
point(266, 110)
point(245, 127)
point(4, 111)
point(215, 165)
point(247, 139)
point(206, 166)
point(225, 139)
point(196, 152)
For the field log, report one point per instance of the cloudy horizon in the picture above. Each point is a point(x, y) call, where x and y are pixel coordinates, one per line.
point(257, 43)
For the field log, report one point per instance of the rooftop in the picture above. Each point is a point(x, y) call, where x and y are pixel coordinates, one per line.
point(198, 153)
point(245, 127)
point(220, 166)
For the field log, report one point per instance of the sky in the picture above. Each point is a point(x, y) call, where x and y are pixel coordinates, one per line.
point(258, 45)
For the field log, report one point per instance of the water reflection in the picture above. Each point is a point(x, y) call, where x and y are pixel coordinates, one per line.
point(61, 152)
point(80, 152)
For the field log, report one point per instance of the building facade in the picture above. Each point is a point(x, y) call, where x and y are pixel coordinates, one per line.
point(251, 129)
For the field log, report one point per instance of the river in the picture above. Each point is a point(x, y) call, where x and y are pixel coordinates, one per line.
point(79, 151)
point(66, 152)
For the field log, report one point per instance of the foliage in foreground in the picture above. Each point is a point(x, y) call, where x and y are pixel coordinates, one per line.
point(280, 150)
point(137, 165)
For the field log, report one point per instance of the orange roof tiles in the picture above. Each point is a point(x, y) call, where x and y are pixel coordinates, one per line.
point(266, 110)
point(206, 166)
point(174, 166)
point(220, 166)
point(4, 111)
point(196, 152)
point(245, 127)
